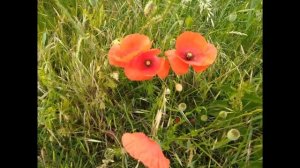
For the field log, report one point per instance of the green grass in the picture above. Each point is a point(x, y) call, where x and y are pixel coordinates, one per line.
point(83, 111)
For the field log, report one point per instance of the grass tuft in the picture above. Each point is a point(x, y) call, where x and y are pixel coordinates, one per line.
point(83, 109)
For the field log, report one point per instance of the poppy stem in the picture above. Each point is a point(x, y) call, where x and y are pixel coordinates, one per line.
point(137, 164)
point(159, 114)
point(184, 116)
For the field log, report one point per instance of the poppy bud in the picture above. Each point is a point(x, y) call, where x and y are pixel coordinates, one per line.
point(204, 118)
point(167, 91)
point(232, 17)
point(223, 114)
point(178, 87)
point(182, 106)
point(233, 134)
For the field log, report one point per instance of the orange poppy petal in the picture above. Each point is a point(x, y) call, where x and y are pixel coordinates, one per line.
point(200, 68)
point(147, 158)
point(210, 55)
point(137, 69)
point(134, 44)
point(144, 149)
point(114, 56)
point(134, 147)
point(135, 75)
point(190, 42)
point(164, 69)
point(164, 162)
point(177, 65)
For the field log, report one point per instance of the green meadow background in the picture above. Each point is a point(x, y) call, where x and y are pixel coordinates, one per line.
point(83, 110)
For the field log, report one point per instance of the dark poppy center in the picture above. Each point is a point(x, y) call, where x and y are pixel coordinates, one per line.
point(148, 63)
point(189, 56)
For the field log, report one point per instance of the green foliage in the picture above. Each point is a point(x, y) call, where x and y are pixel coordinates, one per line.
point(83, 110)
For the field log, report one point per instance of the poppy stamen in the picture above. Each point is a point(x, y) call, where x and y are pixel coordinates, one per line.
point(147, 63)
point(189, 55)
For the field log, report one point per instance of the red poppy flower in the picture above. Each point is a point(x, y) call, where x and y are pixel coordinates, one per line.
point(138, 60)
point(146, 65)
point(132, 45)
point(191, 49)
point(144, 149)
